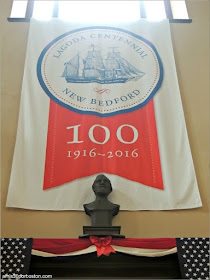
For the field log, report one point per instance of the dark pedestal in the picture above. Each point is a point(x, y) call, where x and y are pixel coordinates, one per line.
point(113, 231)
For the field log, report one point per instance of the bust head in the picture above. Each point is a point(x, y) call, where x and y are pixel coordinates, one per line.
point(102, 186)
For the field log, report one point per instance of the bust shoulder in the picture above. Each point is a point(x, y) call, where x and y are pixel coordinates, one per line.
point(116, 208)
point(88, 207)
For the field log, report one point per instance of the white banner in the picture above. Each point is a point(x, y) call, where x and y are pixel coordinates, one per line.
point(107, 79)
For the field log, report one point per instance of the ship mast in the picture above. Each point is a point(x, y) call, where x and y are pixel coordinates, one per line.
point(113, 48)
point(93, 47)
point(115, 58)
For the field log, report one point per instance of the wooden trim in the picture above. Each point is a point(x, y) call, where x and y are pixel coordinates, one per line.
point(18, 19)
point(142, 10)
point(168, 9)
point(28, 20)
point(180, 20)
point(55, 9)
point(29, 9)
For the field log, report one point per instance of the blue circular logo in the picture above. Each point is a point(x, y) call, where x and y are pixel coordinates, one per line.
point(101, 71)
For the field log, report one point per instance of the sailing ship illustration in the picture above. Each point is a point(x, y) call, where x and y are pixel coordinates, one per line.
point(94, 68)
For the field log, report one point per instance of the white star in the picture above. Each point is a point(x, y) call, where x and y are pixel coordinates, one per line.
point(191, 256)
point(16, 247)
point(188, 260)
point(184, 256)
point(2, 247)
point(19, 251)
point(10, 239)
point(198, 247)
point(14, 264)
point(195, 260)
point(205, 268)
point(202, 251)
point(5, 243)
point(4, 252)
point(18, 269)
point(2, 239)
point(7, 265)
point(1, 257)
point(193, 242)
point(202, 273)
point(199, 279)
point(194, 274)
point(205, 247)
point(185, 242)
point(18, 260)
point(22, 265)
point(8, 256)
point(18, 239)
point(190, 247)
point(193, 265)
point(10, 270)
point(187, 274)
point(200, 264)
point(194, 251)
point(11, 261)
point(197, 269)
point(24, 247)
point(203, 260)
point(13, 243)
point(15, 256)
point(187, 251)
point(9, 247)
point(3, 261)
point(185, 265)
point(199, 255)
point(207, 277)
point(25, 239)
point(21, 243)
point(208, 264)
point(190, 269)
point(23, 256)
point(183, 247)
point(196, 238)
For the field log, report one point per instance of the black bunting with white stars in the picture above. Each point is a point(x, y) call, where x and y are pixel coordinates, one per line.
point(193, 254)
point(15, 256)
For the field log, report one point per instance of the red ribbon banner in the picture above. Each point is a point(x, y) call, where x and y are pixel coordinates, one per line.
point(80, 145)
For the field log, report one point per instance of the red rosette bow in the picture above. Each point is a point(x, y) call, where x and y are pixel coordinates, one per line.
point(102, 245)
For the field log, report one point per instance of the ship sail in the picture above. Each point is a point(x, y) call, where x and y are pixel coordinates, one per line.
point(72, 67)
point(92, 68)
point(118, 66)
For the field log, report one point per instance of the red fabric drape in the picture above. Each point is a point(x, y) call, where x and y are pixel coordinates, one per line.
point(64, 246)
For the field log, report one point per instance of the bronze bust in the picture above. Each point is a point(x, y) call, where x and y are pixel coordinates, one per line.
point(101, 210)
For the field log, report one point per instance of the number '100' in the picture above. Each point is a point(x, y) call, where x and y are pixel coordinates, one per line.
point(107, 134)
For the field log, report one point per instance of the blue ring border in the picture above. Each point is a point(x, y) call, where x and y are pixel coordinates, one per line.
point(42, 83)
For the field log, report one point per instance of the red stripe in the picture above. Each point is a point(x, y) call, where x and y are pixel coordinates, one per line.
point(60, 246)
point(64, 246)
point(154, 243)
